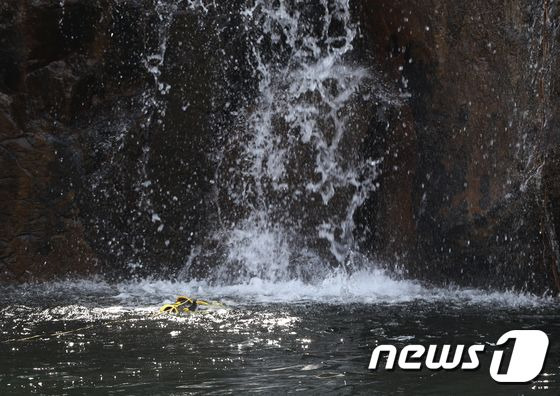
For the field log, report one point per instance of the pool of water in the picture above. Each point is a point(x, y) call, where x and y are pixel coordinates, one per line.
point(99, 338)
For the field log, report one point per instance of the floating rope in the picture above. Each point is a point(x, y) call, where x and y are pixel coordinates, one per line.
point(182, 304)
point(56, 334)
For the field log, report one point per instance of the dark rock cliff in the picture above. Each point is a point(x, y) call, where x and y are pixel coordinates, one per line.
point(470, 190)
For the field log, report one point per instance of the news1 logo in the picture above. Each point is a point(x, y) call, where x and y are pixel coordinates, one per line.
point(525, 363)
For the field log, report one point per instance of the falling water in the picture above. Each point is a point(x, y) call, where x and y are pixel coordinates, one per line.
point(127, 144)
point(539, 66)
point(154, 106)
point(292, 175)
point(61, 4)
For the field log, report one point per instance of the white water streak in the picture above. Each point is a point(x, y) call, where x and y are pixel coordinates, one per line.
point(297, 142)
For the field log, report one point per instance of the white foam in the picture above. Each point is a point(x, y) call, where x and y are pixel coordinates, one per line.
point(366, 287)
point(362, 287)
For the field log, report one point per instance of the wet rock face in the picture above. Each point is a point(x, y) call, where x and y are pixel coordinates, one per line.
point(551, 195)
point(75, 131)
point(42, 69)
point(106, 150)
point(463, 197)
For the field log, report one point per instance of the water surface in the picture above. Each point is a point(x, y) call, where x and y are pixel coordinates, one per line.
point(269, 338)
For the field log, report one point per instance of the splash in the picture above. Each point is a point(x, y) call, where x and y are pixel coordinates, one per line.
point(97, 297)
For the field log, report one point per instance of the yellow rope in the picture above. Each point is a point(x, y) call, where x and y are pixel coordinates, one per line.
point(61, 333)
point(166, 309)
point(182, 300)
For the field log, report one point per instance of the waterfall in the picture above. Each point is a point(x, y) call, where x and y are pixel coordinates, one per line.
point(292, 175)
